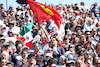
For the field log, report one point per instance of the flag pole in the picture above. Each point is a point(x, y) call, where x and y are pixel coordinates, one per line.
point(6, 4)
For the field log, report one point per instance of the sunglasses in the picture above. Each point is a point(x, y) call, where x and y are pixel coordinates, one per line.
point(32, 57)
point(87, 54)
point(40, 56)
point(55, 34)
point(49, 50)
point(19, 45)
point(53, 66)
point(87, 34)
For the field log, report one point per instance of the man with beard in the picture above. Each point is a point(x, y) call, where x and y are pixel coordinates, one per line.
point(31, 61)
point(16, 57)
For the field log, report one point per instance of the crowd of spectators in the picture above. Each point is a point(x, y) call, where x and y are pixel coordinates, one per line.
point(75, 44)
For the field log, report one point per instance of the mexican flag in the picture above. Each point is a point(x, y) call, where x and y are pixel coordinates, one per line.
point(26, 37)
point(26, 34)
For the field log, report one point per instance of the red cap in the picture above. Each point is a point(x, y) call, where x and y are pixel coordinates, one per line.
point(4, 28)
point(38, 54)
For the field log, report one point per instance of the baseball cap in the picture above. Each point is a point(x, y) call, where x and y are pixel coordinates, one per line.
point(68, 52)
point(49, 54)
point(39, 54)
point(2, 26)
point(2, 39)
point(25, 47)
point(11, 22)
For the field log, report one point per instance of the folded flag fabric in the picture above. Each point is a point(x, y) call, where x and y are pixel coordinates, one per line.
point(11, 41)
point(26, 33)
point(43, 12)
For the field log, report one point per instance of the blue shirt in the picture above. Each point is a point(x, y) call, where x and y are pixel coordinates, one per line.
point(88, 27)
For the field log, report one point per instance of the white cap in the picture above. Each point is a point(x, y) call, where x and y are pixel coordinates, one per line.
point(68, 52)
point(49, 54)
point(2, 25)
point(25, 47)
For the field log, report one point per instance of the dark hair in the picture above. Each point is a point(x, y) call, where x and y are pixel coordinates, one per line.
point(87, 31)
point(55, 38)
point(51, 61)
point(18, 42)
point(24, 51)
point(10, 63)
point(97, 44)
point(29, 56)
point(3, 40)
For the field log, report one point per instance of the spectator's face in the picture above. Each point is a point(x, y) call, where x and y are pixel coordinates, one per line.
point(90, 22)
point(50, 51)
point(76, 40)
point(17, 17)
point(3, 62)
point(2, 41)
point(62, 60)
point(87, 55)
point(4, 56)
point(98, 24)
point(9, 65)
point(74, 24)
point(53, 30)
point(94, 31)
point(39, 58)
point(54, 41)
point(83, 39)
point(26, 14)
point(25, 54)
point(68, 32)
point(55, 35)
point(79, 32)
point(31, 60)
point(6, 48)
point(98, 33)
point(10, 34)
point(4, 14)
point(11, 26)
point(97, 60)
point(3, 48)
point(19, 47)
point(67, 41)
point(47, 57)
point(20, 23)
point(98, 46)
point(26, 19)
point(73, 35)
point(36, 46)
point(87, 34)
point(79, 64)
point(44, 40)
